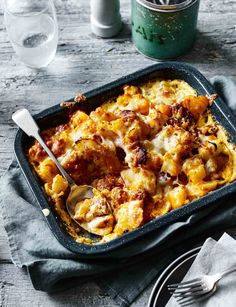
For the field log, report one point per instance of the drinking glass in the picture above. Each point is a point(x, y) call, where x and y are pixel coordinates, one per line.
point(33, 30)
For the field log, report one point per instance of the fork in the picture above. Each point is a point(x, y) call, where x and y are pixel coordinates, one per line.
point(198, 289)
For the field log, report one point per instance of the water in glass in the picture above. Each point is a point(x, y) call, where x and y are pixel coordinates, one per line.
point(34, 35)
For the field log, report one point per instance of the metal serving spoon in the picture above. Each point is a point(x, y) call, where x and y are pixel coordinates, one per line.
point(77, 193)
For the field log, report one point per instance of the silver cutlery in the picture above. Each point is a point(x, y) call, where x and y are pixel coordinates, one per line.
point(198, 289)
point(77, 193)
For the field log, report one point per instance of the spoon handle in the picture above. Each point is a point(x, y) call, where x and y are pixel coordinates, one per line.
point(25, 121)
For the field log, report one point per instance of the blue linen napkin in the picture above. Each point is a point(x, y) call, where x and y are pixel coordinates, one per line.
point(215, 257)
point(51, 267)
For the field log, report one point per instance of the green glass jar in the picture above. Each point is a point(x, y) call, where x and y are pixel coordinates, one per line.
point(164, 31)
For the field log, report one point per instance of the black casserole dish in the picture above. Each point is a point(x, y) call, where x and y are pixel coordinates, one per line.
point(56, 115)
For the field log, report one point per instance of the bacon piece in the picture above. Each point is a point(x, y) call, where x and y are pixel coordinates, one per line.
point(140, 156)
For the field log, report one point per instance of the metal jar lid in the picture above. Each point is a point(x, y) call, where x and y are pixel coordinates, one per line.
point(173, 6)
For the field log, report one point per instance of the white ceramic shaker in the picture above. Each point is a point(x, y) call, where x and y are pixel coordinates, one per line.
point(105, 17)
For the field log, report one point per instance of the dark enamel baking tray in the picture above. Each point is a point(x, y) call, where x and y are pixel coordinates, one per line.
point(56, 115)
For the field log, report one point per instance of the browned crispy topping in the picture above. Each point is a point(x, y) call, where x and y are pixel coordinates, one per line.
point(209, 129)
point(80, 98)
point(139, 195)
point(148, 151)
point(67, 104)
point(181, 117)
point(128, 115)
point(140, 156)
point(108, 182)
point(211, 98)
point(164, 178)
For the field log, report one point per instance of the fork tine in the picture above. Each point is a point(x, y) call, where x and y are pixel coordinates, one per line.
point(186, 283)
point(191, 301)
point(188, 294)
point(195, 289)
point(188, 301)
point(197, 299)
point(182, 297)
point(184, 286)
point(188, 288)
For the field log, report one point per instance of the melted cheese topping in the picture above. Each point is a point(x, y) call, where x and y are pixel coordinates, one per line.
point(150, 150)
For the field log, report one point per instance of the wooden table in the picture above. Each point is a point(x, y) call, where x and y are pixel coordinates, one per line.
point(83, 62)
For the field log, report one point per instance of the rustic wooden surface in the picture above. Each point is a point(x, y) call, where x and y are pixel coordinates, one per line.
point(83, 62)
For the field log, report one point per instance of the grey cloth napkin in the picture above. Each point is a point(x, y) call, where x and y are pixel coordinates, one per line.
point(215, 257)
point(124, 276)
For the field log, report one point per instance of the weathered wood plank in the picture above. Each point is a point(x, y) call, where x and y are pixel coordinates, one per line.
point(4, 248)
point(15, 288)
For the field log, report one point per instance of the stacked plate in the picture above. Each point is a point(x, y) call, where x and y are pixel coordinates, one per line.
point(174, 273)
